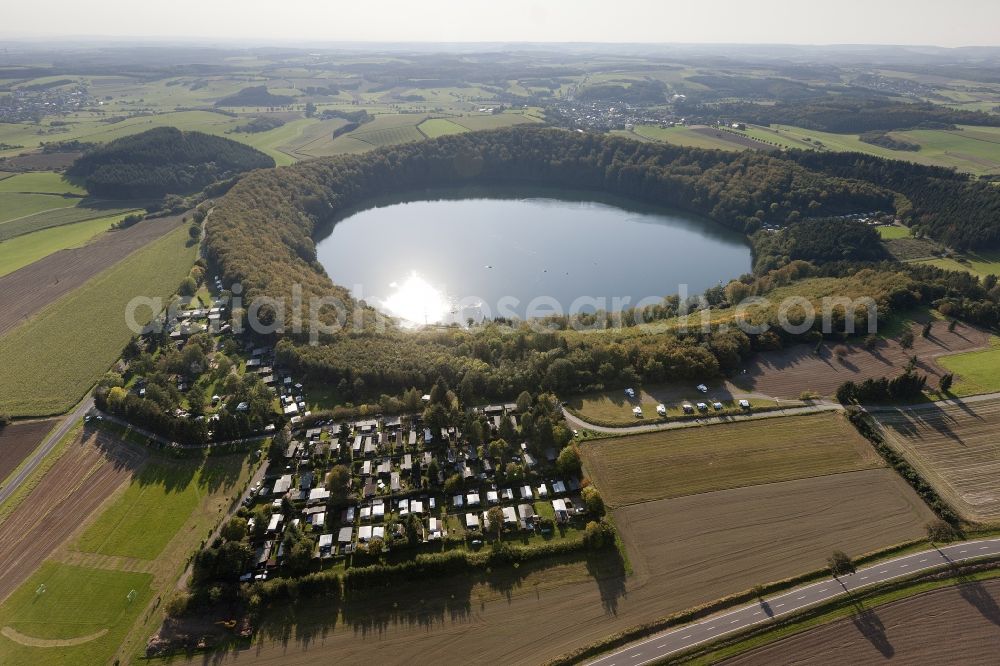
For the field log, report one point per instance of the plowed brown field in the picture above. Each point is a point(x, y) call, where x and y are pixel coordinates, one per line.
point(787, 373)
point(18, 440)
point(957, 449)
point(954, 625)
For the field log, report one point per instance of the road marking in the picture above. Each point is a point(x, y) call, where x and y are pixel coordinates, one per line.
point(734, 621)
point(779, 605)
point(924, 560)
point(685, 637)
point(963, 551)
point(864, 578)
point(800, 598)
point(660, 647)
point(903, 566)
point(984, 548)
point(637, 654)
point(883, 571)
point(824, 590)
point(757, 613)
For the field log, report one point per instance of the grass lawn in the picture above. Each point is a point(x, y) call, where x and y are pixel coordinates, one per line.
point(981, 263)
point(52, 360)
point(435, 127)
point(40, 182)
point(890, 232)
point(975, 372)
point(23, 250)
point(80, 618)
point(686, 461)
point(162, 495)
point(684, 136)
point(14, 205)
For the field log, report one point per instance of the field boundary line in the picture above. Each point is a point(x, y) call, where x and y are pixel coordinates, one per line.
point(859, 470)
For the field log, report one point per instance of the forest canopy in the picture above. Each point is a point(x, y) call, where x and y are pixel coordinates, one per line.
point(850, 115)
point(163, 161)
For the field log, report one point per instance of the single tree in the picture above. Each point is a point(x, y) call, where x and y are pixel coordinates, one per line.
point(337, 480)
point(840, 564)
point(906, 339)
point(593, 501)
point(495, 518)
point(568, 462)
point(944, 384)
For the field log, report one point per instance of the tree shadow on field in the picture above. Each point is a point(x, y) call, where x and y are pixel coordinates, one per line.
point(608, 571)
point(867, 621)
point(980, 598)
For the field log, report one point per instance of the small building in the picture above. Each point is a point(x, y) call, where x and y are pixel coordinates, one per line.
point(472, 521)
point(283, 484)
point(527, 513)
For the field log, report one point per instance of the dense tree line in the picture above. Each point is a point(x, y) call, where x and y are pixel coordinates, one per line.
point(940, 202)
point(885, 140)
point(817, 241)
point(849, 114)
point(163, 160)
point(907, 387)
point(261, 232)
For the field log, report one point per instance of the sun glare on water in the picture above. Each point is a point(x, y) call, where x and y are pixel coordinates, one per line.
point(417, 301)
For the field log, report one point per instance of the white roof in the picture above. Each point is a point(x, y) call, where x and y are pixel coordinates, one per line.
point(472, 520)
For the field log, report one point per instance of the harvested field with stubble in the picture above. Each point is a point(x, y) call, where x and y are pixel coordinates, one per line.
point(685, 461)
point(93, 467)
point(956, 449)
point(702, 547)
point(790, 372)
point(27, 290)
point(18, 440)
point(953, 625)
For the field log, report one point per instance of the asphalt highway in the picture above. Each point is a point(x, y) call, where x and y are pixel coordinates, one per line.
point(682, 638)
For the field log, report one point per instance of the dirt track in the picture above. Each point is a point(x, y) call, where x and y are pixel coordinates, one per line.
point(787, 373)
point(954, 625)
point(78, 483)
point(536, 624)
point(29, 289)
point(18, 440)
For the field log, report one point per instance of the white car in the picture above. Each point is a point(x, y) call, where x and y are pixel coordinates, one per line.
point(661, 410)
point(702, 388)
point(744, 404)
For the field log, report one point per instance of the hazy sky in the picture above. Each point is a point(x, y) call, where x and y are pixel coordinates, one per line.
point(952, 23)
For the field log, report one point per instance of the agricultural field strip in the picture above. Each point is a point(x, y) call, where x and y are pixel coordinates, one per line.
point(18, 441)
point(659, 465)
point(80, 481)
point(29, 289)
point(955, 446)
point(664, 644)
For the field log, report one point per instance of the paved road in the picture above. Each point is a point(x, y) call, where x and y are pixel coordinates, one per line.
point(46, 447)
point(819, 406)
point(711, 629)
